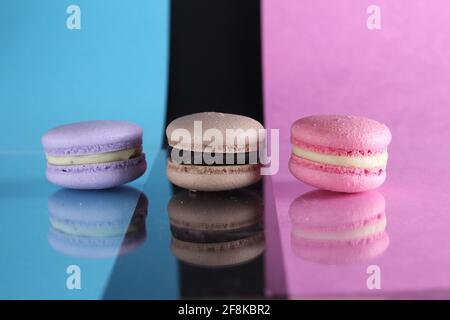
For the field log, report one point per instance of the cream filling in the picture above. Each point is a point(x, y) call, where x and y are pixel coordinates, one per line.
point(363, 232)
point(368, 162)
point(94, 158)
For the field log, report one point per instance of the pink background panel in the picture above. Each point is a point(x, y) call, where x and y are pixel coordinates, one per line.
point(320, 58)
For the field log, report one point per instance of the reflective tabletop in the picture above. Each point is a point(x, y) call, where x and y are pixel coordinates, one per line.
point(408, 258)
point(146, 240)
point(277, 239)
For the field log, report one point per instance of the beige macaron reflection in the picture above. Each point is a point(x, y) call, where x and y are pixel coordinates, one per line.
point(338, 228)
point(219, 229)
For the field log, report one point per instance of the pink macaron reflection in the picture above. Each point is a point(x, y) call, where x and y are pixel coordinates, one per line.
point(338, 228)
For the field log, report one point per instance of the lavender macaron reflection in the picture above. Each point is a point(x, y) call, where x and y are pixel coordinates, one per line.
point(97, 223)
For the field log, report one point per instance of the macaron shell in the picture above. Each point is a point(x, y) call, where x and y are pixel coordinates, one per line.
point(220, 122)
point(91, 137)
point(213, 178)
point(338, 182)
point(342, 132)
point(97, 176)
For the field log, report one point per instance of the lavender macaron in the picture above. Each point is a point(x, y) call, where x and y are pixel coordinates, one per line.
point(94, 154)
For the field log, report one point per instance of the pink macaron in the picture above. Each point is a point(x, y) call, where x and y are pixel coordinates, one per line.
point(339, 153)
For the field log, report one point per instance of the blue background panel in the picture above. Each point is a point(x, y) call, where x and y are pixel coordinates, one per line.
point(114, 67)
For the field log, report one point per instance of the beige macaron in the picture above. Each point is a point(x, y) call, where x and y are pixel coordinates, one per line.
point(212, 151)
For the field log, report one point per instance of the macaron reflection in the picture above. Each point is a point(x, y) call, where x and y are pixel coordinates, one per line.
point(219, 229)
point(97, 223)
point(338, 228)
